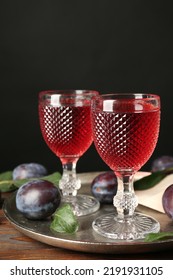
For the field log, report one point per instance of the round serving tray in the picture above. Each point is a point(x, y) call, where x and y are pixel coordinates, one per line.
point(86, 239)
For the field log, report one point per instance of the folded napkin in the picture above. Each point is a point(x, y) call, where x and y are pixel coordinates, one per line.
point(153, 197)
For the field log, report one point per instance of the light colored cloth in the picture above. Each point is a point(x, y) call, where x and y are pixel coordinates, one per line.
point(153, 197)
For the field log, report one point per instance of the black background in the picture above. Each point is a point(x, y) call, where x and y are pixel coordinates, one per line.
point(110, 46)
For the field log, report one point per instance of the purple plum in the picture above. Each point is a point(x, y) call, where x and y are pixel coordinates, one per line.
point(167, 201)
point(38, 199)
point(162, 163)
point(104, 187)
point(29, 170)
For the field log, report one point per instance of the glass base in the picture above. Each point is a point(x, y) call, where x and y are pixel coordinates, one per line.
point(110, 226)
point(82, 204)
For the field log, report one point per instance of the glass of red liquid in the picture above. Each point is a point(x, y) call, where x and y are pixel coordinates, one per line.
point(65, 122)
point(125, 131)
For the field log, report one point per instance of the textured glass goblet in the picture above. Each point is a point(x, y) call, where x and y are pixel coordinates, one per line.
point(125, 131)
point(65, 121)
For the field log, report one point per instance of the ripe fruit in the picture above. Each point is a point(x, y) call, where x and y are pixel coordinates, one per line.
point(29, 170)
point(104, 187)
point(167, 201)
point(38, 199)
point(162, 163)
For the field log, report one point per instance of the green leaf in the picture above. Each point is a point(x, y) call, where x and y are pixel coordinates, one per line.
point(6, 176)
point(54, 178)
point(158, 236)
point(7, 186)
point(7, 183)
point(149, 181)
point(64, 220)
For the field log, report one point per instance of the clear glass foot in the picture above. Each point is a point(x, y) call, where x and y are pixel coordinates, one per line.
point(69, 185)
point(82, 204)
point(110, 226)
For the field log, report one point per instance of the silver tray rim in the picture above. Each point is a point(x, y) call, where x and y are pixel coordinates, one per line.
point(85, 240)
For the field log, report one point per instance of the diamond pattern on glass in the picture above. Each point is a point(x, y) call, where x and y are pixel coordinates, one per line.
point(66, 130)
point(126, 140)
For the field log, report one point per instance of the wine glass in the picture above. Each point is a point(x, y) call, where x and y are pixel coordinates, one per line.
point(65, 122)
point(125, 131)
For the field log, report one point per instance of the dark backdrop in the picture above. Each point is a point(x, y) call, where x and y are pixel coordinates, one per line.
point(117, 46)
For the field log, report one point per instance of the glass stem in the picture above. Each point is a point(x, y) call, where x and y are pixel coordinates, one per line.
point(69, 183)
point(125, 200)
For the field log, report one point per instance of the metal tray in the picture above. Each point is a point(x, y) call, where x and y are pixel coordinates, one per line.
point(85, 239)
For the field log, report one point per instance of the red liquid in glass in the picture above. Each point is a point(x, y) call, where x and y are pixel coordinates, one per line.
point(66, 130)
point(126, 138)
